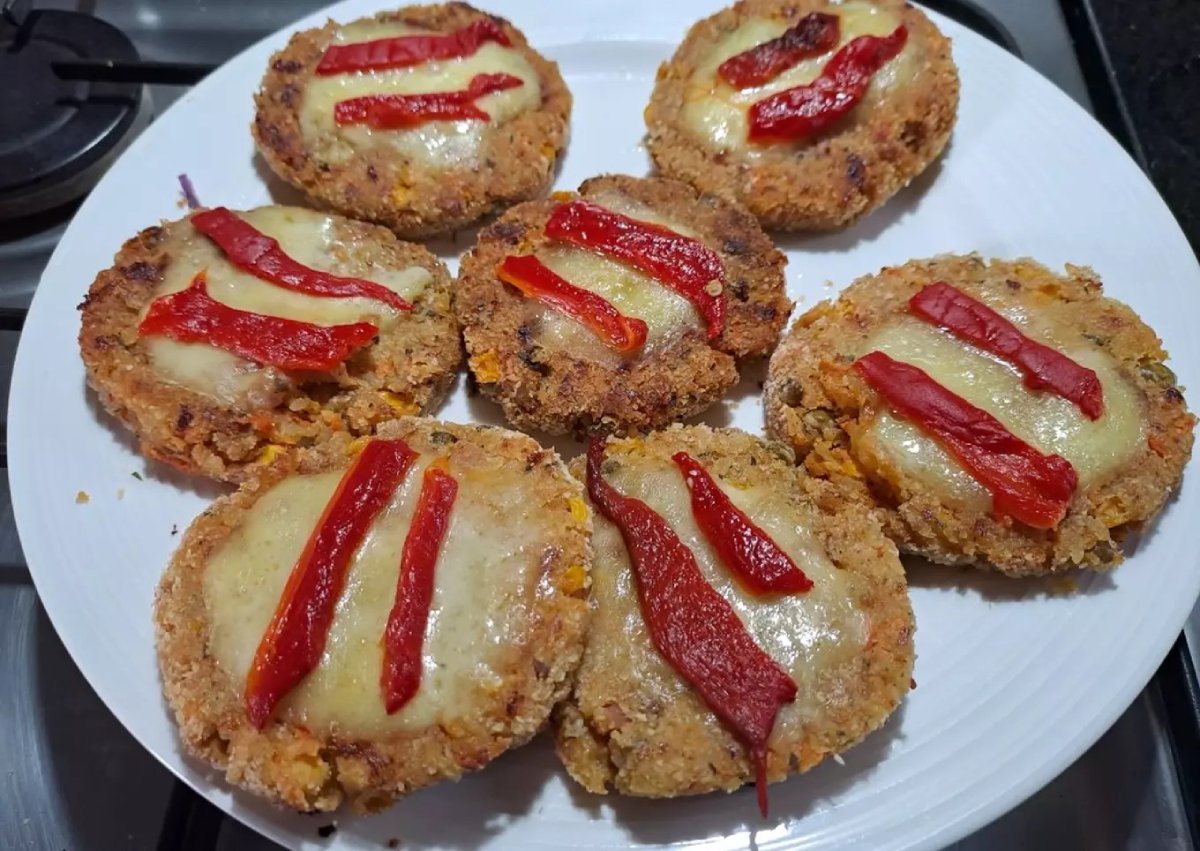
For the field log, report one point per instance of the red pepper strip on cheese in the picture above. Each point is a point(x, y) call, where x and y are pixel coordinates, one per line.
point(816, 33)
point(534, 279)
point(804, 110)
point(396, 112)
point(248, 248)
point(405, 50)
point(295, 639)
point(692, 626)
point(686, 265)
point(1043, 368)
point(193, 316)
point(749, 553)
point(404, 635)
point(1026, 485)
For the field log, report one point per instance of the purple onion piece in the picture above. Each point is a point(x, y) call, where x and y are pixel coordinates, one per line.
point(189, 192)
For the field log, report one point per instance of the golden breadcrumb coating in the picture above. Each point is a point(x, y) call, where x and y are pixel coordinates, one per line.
point(814, 401)
point(517, 160)
point(843, 173)
point(634, 726)
point(558, 391)
point(309, 770)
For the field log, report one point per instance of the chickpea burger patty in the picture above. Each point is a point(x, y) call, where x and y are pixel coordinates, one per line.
point(634, 725)
point(551, 371)
point(503, 634)
point(701, 125)
point(497, 142)
point(1126, 462)
point(207, 410)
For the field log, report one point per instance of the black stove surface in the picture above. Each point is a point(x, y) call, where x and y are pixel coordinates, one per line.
point(55, 131)
point(1150, 51)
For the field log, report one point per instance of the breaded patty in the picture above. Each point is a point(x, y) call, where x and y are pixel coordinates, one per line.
point(1128, 462)
point(697, 122)
point(550, 372)
point(426, 180)
point(206, 411)
point(634, 726)
point(504, 636)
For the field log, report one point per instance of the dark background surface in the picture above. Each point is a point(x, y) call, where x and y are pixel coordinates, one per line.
point(1152, 52)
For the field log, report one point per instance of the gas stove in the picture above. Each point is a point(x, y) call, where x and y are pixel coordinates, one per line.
point(93, 73)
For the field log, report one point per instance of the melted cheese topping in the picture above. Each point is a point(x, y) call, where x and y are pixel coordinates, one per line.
point(217, 373)
point(435, 145)
point(1096, 448)
point(667, 314)
point(718, 114)
point(807, 634)
point(618, 202)
point(484, 585)
point(309, 238)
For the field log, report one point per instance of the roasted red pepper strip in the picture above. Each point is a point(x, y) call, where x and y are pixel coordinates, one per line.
point(405, 50)
point(1025, 484)
point(295, 639)
point(748, 551)
point(1043, 368)
point(395, 112)
point(686, 265)
point(804, 110)
point(534, 279)
point(692, 626)
point(248, 248)
point(193, 316)
point(404, 635)
point(816, 33)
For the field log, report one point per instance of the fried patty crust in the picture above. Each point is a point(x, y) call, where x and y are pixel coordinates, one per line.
point(816, 403)
point(318, 769)
point(516, 161)
point(632, 725)
point(555, 390)
point(408, 369)
point(835, 177)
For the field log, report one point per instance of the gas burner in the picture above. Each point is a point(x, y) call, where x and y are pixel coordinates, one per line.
point(58, 136)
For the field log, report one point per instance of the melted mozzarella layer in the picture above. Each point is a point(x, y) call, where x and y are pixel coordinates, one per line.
point(310, 239)
point(807, 634)
point(718, 114)
point(667, 314)
point(1096, 448)
point(618, 202)
point(216, 373)
point(484, 584)
point(436, 145)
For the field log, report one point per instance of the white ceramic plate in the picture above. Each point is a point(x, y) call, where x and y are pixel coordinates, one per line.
point(1015, 678)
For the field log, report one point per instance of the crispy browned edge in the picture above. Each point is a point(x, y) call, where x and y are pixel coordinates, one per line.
point(627, 741)
point(297, 768)
point(844, 173)
point(813, 399)
point(557, 392)
point(415, 360)
point(516, 163)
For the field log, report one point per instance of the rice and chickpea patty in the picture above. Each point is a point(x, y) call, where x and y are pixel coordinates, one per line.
point(549, 372)
point(207, 411)
point(424, 180)
point(504, 634)
point(698, 123)
point(633, 725)
point(1128, 462)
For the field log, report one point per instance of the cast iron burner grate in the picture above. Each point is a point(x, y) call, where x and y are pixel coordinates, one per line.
point(57, 136)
